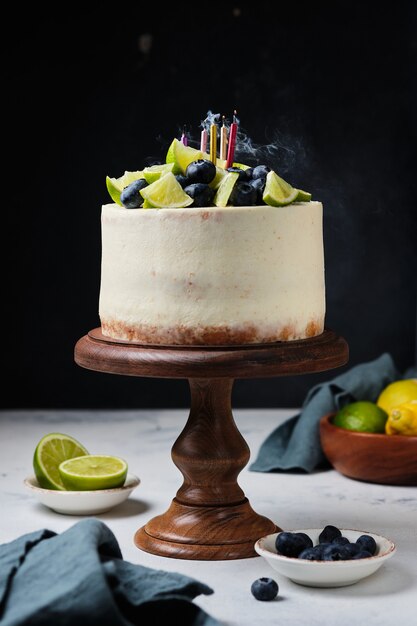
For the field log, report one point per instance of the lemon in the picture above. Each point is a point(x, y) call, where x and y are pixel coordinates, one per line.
point(115, 186)
point(397, 393)
point(153, 172)
point(49, 454)
point(92, 472)
point(277, 191)
point(402, 420)
point(166, 192)
point(362, 416)
point(225, 189)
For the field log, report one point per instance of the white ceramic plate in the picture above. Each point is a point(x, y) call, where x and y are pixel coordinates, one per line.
point(325, 573)
point(82, 502)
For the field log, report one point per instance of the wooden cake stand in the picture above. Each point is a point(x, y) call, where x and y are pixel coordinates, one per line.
point(210, 518)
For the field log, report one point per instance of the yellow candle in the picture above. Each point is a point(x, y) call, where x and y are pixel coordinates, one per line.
point(213, 143)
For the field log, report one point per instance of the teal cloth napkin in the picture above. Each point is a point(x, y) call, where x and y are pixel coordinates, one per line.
point(79, 578)
point(295, 444)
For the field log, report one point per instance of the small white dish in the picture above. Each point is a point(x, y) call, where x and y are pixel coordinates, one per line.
point(325, 573)
point(82, 502)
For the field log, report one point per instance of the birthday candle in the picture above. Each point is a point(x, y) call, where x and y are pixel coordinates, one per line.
point(223, 141)
point(213, 143)
point(203, 141)
point(232, 141)
point(184, 139)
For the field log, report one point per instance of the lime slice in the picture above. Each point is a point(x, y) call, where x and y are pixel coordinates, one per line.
point(147, 205)
point(225, 189)
point(277, 191)
point(152, 173)
point(184, 155)
point(49, 453)
point(303, 196)
point(86, 473)
point(115, 186)
point(166, 192)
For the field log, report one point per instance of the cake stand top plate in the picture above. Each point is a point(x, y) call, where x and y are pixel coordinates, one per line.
point(96, 352)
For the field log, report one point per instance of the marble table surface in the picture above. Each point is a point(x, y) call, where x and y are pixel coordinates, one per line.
point(293, 500)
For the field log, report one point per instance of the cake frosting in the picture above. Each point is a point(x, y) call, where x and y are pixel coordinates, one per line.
point(212, 276)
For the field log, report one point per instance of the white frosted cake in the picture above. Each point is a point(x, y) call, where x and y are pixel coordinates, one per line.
point(212, 275)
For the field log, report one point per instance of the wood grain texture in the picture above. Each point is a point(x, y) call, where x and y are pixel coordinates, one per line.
point(376, 458)
point(321, 353)
point(210, 517)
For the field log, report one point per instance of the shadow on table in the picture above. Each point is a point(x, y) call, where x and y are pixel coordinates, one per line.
point(129, 508)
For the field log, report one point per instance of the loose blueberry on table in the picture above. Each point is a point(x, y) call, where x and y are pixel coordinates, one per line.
point(264, 589)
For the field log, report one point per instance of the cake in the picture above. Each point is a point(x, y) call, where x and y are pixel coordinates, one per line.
point(216, 274)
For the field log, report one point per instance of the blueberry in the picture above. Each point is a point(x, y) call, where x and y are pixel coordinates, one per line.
point(368, 543)
point(183, 180)
point(260, 171)
point(333, 552)
point(362, 554)
point(311, 554)
point(328, 534)
point(264, 589)
point(130, 196)
point(202, 194)
point(243, 177)
point(352, 548)
point(290, 544)
point(249, 173)
point(259, 185)
point(201, 171)
point(243, 194)
point(341, 541)
point(307, 540)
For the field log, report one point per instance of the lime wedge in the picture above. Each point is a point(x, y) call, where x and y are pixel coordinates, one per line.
point(303, 196)
point(115, 186)
point(184, 155)
point(152, 173)
point(277, 191)
point(147, 205)
point(225, 189)
point(242, 166)
point(85, 473)
point(49, 453)
point(220, 174)
point(166, 192)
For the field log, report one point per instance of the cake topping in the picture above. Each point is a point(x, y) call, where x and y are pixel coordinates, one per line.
point(193, 178)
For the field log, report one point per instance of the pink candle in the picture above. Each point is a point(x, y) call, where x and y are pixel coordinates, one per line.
point(184, 139)
point(203, 141)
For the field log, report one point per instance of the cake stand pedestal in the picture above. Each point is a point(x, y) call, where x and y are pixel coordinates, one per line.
point(210, 518)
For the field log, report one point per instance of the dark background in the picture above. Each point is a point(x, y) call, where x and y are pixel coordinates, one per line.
point(333, 84)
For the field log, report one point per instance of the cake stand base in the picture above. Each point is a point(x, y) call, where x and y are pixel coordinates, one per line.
point(210, 518)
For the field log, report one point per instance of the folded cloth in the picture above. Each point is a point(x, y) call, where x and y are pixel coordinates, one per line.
point(295, 444)
point(80, 578)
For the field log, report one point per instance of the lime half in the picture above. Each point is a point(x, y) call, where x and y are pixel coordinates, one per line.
point(225, 189)
point(87, 473)
point(277, 191)
point(152, 173)
point(166, 192)
point(49, 454)
point(115, 186)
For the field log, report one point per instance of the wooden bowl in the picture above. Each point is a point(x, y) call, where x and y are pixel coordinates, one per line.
point(375, 458)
